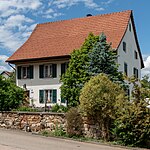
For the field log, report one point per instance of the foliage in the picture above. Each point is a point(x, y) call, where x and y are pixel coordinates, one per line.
point(11, 96)
point(103, 60)
point(74, 122)
point(59, 131)
point(98, 101)
point(59, 108)
point(133, 123)
point(76, 75)
point(12, 77)
point(26, 108)
point(145, 82)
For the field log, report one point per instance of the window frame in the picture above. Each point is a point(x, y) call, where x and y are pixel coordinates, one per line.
point(48, 70)
point(125, 68)
point(124, 47)
point(25, 72)
point(135, 54)
point(135, 72)
point(48, 95)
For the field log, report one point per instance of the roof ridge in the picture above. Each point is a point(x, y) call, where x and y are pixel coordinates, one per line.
point(84, 17)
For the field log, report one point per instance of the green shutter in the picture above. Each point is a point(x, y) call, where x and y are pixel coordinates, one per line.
point(62, 100)
point(54, 70)
point(31, 72)
point(19, 72)
point(41, 71)
point(54, 96)
point(63, 68)
point(41, 96)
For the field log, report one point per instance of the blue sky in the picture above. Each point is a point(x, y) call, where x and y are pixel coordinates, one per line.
point(19, 17)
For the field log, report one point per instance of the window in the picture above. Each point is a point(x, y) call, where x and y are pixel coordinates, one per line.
point(126, 69)
point(64, 67)
point(124, 46)
point(135, 55)
point(135, 72)
point(48, 71)
point(130, 27)
point(49, 96)
point(25, 72)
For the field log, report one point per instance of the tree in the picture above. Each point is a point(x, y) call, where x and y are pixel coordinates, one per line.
point(103, 60)
point(76, 75)
point(145, 82)
point(11, 96)
point(132, 126)
point(98, 100)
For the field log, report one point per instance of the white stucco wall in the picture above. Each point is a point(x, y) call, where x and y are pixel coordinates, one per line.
point(36, 84)
point(128, 56)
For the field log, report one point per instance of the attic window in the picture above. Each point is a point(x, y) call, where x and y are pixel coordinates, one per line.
point(124, 46)
point(130, 27)
point(135, 55)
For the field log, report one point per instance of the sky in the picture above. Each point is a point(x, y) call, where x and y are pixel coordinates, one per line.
point(18, 18)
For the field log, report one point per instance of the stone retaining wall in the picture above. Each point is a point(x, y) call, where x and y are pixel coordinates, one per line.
point(32, 121)
point(39, 121)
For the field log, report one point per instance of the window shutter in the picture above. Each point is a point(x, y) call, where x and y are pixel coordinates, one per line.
point(41, 96)
point(63, 68)
point(54, 96)
point(31, 71)
point(19, 72)
point(62, 100)
point(41, 71)
point(54, 70)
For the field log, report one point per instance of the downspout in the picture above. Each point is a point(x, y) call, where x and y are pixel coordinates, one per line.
point(12, 66)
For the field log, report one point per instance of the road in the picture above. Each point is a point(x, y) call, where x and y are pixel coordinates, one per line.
point(17, 140)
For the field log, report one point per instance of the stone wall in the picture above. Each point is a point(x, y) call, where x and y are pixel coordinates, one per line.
point(32, 121)
point(39, 121)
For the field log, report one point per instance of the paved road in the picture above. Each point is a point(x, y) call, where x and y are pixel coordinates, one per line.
point(17, 140)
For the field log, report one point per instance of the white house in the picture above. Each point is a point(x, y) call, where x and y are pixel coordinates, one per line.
point(42, 59)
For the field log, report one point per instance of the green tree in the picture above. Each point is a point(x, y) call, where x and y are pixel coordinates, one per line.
point(99, 100)
point(11, 96)
point(145, 82)
point(103, 60)
point(76, 74)
point(132, 126)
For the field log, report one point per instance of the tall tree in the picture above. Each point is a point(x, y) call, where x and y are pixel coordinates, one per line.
point(103, 60)
point(76, 74)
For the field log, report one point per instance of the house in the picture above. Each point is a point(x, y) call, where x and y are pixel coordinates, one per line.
point(6, 74)
point(42, 59)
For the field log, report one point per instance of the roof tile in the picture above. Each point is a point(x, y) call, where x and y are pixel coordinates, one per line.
point(61, 37)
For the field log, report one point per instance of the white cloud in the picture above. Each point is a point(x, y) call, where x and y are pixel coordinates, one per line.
point(146, 70)
point(10, 7)
point(17, 21)
point(68, 3)
point(12, 31)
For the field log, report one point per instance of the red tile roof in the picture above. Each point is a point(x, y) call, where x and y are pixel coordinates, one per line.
point(60, 38)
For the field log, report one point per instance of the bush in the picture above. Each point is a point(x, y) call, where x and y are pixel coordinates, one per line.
point(11, 96)
point(98, 100)
point(74, 123)
point(132, 127)
point(25, 108)
point(59, 108)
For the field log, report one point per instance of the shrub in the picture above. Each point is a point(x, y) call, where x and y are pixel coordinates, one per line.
point(74, 122)
point(132, 127)
point(11, 96)
point(59, 108)
point(98, 100)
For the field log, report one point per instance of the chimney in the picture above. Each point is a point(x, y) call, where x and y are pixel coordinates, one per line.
point(89, 15)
